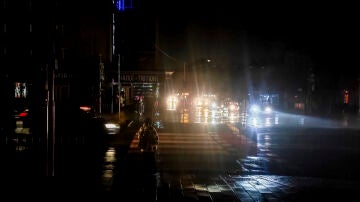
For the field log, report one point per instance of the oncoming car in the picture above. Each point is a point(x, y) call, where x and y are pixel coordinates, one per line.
point(261, 109)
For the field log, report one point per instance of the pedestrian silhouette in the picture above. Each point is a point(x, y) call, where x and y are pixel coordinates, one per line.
point(148, 145)
point(148, 137)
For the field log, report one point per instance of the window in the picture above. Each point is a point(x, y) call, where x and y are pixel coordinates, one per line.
point(20, 90)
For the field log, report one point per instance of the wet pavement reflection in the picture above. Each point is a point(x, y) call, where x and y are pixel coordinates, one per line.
point(281, 119)
point(265, 158)
point(300, 145)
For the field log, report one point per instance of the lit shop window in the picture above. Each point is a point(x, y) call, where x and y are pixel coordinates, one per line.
point(20, 90)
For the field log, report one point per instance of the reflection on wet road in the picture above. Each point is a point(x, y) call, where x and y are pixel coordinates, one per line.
point(279, 119)
point(248, 158)
point(109, 167)
point(299, 145)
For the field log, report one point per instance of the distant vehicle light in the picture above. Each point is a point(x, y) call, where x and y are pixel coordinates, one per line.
point(23, 114)
point(172, 102)
point(255, 108)
point(233, 107)
point(112, 126)
point(268, 109)
point(85, 108)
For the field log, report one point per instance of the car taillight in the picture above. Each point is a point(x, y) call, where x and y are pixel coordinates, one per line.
point(23, 114)
point(85, 108)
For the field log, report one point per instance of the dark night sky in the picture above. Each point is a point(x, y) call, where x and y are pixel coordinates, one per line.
point(326, 32)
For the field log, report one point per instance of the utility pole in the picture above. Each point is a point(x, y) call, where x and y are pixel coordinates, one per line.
point(119, 86)
point(183, 94)
point(184, 73)
point(112, 96)
point(359, 93)
point(101, 78)
point(50, 120)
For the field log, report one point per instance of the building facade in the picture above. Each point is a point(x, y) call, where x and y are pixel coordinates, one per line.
point(136, 62)
point(53, 48)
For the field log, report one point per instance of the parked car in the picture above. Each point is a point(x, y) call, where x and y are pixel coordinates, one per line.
point(22, 121)
point(110, 126)
point(79, 126)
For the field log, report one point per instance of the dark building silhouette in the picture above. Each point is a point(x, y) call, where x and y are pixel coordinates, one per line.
point(76, 39)
point(68, 38)
point(135, 38)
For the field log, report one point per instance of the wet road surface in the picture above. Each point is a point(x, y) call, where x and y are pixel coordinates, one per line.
point(197, 162)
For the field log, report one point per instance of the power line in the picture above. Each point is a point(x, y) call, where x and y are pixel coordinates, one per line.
point(166, 54)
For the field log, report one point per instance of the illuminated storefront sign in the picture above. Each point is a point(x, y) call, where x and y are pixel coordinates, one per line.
point(139, 77)
point(63, 75)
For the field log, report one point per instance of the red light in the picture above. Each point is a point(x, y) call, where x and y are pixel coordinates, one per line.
point(23, 114)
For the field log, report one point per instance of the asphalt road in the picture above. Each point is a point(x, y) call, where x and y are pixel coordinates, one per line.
point(196, 161)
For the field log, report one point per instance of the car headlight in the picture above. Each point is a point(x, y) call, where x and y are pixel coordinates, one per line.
point(254, 108)
point(268, 109)
point(112, 126)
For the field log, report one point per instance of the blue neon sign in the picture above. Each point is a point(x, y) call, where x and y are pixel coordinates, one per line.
point(122, 5)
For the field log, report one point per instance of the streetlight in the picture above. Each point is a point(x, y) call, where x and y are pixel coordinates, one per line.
point(185, 89)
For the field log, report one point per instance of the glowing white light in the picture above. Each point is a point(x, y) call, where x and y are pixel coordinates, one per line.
point(172, 102)
point(255, 108)
point(112, 126)
point(268, 109)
